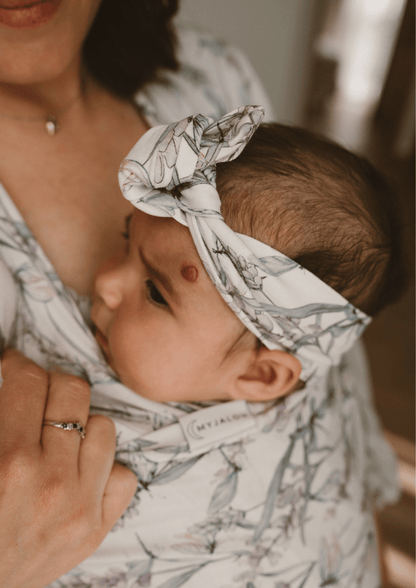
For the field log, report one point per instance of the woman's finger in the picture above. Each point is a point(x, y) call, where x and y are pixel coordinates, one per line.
point(96, 454)
point(119, 491)
point(58, 499)
point(23, 395)
point(68, 402)
point(113, 483)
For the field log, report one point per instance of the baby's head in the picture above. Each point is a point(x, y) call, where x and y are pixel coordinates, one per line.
point(166, 331)
point(162, 324)
point(321, 205)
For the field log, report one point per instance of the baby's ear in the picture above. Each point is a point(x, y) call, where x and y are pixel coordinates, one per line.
point(271, 374)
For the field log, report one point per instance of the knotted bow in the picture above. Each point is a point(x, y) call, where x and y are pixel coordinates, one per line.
point(171, 172)
point(185, 154)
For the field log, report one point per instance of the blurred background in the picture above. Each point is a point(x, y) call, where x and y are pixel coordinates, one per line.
point(345, 68)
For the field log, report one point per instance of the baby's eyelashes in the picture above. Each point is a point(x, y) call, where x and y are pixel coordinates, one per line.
point(154, 296)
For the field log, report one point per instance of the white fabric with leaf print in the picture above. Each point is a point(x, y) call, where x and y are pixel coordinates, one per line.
point(171, 172)
point(282, 504)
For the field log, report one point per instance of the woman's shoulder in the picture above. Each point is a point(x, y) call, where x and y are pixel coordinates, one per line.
point(202, 53)
point(212, 79)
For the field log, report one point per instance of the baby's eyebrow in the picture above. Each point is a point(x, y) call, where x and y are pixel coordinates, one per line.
point(162, 278)
point(127, 222)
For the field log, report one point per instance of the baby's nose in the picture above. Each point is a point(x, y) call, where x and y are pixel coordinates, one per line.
point(109, 286)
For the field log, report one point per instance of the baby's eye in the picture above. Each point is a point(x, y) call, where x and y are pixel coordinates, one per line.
point(154, 295)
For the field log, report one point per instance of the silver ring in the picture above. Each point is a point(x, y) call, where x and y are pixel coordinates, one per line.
point(67, 427)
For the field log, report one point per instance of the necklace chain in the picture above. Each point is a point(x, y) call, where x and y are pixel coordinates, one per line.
point(50, 120)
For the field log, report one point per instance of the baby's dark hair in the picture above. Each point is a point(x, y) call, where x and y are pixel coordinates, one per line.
point(321, 205)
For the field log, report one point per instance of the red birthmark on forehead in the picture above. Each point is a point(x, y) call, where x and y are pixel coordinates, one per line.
point(189, 272)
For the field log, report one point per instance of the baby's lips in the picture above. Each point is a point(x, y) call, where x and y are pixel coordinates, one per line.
point(101, 339)
point(98, 334)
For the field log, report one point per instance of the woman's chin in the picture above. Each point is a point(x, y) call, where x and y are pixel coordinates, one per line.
point(24, 65)
point(43, 41)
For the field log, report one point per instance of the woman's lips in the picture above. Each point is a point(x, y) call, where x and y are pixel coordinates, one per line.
point(26, 14)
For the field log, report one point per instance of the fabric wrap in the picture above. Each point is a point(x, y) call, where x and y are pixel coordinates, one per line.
point(171, 171)
point(289, 503)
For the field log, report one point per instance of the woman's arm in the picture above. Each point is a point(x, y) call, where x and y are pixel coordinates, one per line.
point(59, 495)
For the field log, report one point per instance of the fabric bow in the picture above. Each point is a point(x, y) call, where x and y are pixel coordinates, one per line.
point(185, 154)
point(171, 171)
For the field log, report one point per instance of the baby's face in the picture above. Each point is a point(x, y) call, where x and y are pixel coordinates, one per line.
point(161, 324)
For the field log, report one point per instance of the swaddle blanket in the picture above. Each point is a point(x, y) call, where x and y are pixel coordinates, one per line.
point(229, 495)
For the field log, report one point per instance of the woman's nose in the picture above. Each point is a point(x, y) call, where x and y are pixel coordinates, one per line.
point(109, 283)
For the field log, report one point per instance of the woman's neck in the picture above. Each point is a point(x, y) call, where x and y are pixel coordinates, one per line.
point(50, 97)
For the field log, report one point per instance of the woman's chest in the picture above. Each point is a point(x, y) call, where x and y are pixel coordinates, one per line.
point(78, 223)
point(70, 199)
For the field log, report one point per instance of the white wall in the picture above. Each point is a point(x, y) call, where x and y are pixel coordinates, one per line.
point(276, 35)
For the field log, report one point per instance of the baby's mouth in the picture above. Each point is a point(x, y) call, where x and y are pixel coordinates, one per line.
point(101, 339)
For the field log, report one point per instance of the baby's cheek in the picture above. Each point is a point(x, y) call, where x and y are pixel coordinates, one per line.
point(137, 358)
point(125, 348)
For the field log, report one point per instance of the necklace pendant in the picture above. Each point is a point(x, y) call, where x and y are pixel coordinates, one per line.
point(51, 125)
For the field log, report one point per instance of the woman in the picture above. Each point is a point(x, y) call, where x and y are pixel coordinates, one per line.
point(68, 71)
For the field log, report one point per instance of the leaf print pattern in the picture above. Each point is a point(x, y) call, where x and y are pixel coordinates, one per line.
point(224, 492)
point(287, 505)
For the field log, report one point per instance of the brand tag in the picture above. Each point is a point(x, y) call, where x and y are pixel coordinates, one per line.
point(210, 426)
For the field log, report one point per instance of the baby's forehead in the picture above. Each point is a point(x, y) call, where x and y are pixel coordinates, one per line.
point(169, 244)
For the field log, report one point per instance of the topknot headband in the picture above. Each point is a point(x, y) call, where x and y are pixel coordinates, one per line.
point(171, 171)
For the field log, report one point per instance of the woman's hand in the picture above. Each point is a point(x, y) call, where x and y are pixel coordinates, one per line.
point(59, 495)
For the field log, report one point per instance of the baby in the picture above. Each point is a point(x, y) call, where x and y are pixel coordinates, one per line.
point(212, 301)
point(160, 320)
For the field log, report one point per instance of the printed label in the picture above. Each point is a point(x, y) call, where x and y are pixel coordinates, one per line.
point(216, 423)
